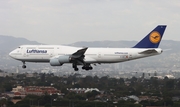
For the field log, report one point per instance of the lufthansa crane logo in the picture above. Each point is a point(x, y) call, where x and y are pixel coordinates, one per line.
point(155, 37)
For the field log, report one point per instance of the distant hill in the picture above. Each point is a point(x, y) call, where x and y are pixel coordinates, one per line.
point(165, 44)
point(9, 42)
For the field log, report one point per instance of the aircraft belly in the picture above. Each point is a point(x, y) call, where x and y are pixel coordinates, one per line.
point(113, 59)
point(35, 60)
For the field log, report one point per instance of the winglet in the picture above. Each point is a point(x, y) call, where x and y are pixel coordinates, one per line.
point(153, 39)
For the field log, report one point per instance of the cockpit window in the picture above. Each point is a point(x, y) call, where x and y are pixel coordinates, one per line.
point(19, 47)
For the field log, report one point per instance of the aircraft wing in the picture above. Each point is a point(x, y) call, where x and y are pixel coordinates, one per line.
point(79, 56)
point(148, 51)
point(79, 53)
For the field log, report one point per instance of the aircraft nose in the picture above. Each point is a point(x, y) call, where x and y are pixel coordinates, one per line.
point(11, 54)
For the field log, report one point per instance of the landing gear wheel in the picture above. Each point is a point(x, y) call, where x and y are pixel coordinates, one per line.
point(24, 66)
point(76, 69)
point(90, 68)
point(87, 67)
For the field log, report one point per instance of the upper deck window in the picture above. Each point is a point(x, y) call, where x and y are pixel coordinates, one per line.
point(45, 47)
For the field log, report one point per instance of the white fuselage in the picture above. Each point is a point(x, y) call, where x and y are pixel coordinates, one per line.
point(43, 53)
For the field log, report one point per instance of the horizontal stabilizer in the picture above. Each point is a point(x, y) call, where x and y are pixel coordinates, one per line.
point(149, 51)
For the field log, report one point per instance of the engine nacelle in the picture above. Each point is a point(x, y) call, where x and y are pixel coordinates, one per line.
point(58, 61)
point(55, 62)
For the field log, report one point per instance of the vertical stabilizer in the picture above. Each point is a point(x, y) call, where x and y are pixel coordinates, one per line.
point(153, 39)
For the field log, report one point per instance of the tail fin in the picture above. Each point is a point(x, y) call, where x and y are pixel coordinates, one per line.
point(153, 39)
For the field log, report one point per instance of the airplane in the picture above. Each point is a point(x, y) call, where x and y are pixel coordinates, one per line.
point(57, 55)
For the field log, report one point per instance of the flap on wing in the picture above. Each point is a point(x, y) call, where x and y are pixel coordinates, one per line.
point(79, 53)
point(149, 51)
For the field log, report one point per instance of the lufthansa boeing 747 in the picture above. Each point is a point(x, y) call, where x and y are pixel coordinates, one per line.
point(57, 55)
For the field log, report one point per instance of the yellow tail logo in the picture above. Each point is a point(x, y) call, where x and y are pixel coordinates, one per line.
point(155, 37)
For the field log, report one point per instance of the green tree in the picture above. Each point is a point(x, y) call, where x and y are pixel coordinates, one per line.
point(47, 105)
point(7, 87)
point(91, 95)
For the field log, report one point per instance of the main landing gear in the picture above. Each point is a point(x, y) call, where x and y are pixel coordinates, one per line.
point(24, 64)
point(85, 67)
point(75, 67)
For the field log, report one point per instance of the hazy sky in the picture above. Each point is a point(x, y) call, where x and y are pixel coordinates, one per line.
point(69, 21)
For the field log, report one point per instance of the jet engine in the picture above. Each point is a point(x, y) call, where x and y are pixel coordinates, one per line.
point(58, 61)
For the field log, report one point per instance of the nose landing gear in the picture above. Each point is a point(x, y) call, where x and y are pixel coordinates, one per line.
point(24, 65)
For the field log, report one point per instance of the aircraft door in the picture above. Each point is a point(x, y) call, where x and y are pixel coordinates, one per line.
point(51, 53)
point(24, 52)
point(99, 55)
point(129, 56)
